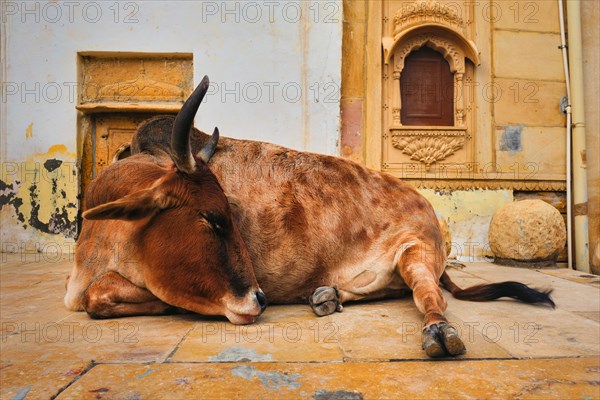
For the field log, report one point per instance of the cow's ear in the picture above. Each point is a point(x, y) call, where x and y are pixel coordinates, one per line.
point(134, 206)
point(233, 201)
point(235, 205)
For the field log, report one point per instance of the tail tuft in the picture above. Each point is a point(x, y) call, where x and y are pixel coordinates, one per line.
point(495, 291)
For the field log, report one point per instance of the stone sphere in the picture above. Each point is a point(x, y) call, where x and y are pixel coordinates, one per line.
point(527, 230)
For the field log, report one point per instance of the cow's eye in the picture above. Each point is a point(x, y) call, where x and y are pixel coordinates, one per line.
point(216, 227)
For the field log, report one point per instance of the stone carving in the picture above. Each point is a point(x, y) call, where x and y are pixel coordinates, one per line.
point(459, 112)
point(135, 78)
point(141, 87)
point(453, 54)
point(429, 146)
point(442, 21)
point(427, 12)
point(468, 183)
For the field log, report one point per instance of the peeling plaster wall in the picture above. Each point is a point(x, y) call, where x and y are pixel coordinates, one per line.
point(468, 214)
point(39, 202)
point(275, 70)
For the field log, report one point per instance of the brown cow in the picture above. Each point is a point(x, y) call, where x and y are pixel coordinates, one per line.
point(324, 230)
point(158, 235)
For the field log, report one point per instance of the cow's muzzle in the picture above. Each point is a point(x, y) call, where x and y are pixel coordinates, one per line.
point(241, 311)
point(261, 299)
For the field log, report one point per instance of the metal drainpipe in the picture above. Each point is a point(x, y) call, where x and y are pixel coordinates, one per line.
point(578, 136)
point(563, 47)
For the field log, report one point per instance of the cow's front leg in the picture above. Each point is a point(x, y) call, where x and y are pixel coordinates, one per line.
point(112, 296)
point(325, 300)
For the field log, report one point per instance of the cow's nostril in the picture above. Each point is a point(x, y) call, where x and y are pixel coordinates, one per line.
point(262, 299)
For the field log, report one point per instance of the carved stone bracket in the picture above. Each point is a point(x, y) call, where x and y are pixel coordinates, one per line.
point(428, 12)
point(434, 17)
point(428, 145)
point(487, 184)
point(450, 50)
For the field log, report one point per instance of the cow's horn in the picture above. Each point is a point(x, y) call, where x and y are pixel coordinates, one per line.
point(209, 149)
point(180, 137)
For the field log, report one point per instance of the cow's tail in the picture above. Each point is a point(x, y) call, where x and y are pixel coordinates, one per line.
point(495, 291)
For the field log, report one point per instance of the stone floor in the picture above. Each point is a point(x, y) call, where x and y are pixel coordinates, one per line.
point(368, 351)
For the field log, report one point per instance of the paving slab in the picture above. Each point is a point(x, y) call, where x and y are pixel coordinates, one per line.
point(391, 330)
point(484, 379)
point(370, 350)
point(79, 338)
point(567, 290)
point(36, 327)
point(39, 380)
point(36, 263)
point(283, 333)
point(529, 331)
point(574, 276)
point(593, 315)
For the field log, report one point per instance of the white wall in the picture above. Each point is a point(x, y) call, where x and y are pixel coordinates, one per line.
point(275, 69)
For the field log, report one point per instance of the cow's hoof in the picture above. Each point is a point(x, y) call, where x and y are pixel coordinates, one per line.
point(452, 340)
point(325, 301)
point(440, 340)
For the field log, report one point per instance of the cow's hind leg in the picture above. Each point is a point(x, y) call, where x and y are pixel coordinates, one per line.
point(325, 300)
point(112, 296)
point(420, 271)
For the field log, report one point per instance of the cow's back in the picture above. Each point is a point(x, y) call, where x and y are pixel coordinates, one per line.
point(308, 219)
point(311, 220)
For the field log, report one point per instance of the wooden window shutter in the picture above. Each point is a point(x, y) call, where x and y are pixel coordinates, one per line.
point(427, 89)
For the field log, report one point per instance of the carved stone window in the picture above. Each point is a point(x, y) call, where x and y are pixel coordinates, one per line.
point(435, 36)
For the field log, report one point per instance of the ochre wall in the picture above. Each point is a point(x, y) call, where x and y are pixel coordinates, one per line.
point(519, 83)
point(353, 79)
point(528, 72)
point(590, 20)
